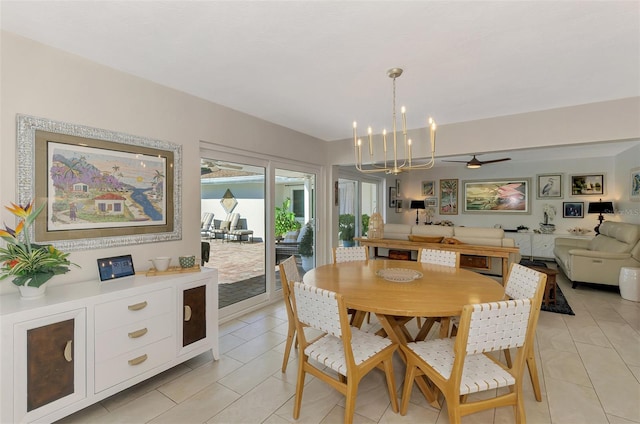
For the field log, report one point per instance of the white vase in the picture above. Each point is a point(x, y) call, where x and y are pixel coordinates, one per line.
point(30, 292)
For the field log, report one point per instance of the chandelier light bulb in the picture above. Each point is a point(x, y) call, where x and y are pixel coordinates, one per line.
point(399, 164)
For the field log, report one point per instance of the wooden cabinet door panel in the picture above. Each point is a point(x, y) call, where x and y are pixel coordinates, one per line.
point(50, 368)
point(194, 314)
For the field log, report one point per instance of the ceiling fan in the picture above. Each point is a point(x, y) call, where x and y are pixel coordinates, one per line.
point(209, 166)
point(476, 163)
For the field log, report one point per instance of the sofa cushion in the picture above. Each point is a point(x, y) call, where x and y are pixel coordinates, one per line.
point(291, 236)
point(425, 239)
point(431, 231)
point(478, 232)
point(616, 237)
point(626, 233)
point(397, 231)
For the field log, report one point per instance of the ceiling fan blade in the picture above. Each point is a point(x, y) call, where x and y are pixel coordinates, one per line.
point(459, 161)
point(495, 160)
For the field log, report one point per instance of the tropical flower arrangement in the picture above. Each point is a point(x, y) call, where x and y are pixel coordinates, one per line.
point(29, 264)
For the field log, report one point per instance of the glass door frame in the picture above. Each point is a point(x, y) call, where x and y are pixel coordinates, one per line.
point(353, 175)
point(270, 164)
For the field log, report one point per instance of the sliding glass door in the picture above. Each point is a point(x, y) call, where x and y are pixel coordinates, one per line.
point(234, 193)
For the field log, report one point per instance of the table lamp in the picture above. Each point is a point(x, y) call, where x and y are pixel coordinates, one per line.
point(600, 207)
point(417, 205)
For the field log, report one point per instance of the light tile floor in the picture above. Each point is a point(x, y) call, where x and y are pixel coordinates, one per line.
point(589, 366)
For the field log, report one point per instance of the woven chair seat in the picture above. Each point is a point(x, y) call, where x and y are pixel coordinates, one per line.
point(329, 350)
point(480, 372)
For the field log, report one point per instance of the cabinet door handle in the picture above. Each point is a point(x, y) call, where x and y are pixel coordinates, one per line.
point(138, 360)
point(187, 313)
point(68, 352)
point(138, 333)
point(138, 306)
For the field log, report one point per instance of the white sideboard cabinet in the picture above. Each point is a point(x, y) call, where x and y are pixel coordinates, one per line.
point(539, 246)
point(83, 342)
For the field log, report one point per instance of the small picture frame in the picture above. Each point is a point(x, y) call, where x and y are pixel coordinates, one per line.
point(634, 192)
point(392, 197)
point(431, 202)
point(549, 186)
point(428, 188)
point(573, 209)
point(587, 185)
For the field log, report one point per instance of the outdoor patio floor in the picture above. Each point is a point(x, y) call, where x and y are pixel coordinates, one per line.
point(241, 270)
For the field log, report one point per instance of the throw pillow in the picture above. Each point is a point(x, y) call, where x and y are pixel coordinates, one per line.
point(426, 239)
point(291, 237)
point(451, 241)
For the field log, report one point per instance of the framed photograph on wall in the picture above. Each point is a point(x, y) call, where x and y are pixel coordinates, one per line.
point(634, 193)
point(102, 188)
point(497, 196)
point(549, 186)
point(449, 196)
point(573, 209)
point(392, 197)
point(431, 202)
point(428, 188)
point(398, 205)
point(587, 185)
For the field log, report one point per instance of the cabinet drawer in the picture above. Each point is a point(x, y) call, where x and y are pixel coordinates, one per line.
point(121, 368)
point(132, 309)
point(123, 339)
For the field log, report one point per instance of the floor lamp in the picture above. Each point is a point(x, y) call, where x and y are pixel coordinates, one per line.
point(417, 205)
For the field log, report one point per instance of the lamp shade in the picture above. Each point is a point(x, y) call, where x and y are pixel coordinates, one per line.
point(417, 204)
point(600, 207)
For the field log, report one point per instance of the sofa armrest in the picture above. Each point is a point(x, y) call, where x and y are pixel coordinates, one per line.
point(573, 242)
point(599, 254)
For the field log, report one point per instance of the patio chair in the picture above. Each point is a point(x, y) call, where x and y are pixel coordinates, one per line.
point(345, 350)
point(461, 366)
point(206, 225)
point(350, 254)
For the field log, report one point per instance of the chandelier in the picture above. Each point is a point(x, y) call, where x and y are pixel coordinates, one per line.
point(399, 164)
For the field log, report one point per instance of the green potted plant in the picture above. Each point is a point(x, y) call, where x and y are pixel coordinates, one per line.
point(365, 224)
point(347, 229)
point(306, 247)
point(31, 265)
point(285, 219)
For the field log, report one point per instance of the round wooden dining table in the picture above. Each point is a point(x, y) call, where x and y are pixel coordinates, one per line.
point(410, 289)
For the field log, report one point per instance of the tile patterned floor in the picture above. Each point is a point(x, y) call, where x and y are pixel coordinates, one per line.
point(589, 366)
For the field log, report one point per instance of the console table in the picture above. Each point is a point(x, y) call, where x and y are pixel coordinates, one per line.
point(464, 249)
point(83, 342)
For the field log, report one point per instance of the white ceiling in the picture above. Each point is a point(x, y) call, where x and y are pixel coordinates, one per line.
point(316, 66)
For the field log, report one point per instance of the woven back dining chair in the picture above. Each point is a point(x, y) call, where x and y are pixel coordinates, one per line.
point(461, 366)
point(436, 257)
point(350, 254)
point(345, 350)
point(439, 257)
point(288, 272)
point(522, 283)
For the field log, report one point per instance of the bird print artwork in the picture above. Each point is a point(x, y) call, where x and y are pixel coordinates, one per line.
point(552, 186)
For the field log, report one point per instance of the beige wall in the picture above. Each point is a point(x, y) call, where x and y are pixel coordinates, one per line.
point(41, 81)
point(44, 82)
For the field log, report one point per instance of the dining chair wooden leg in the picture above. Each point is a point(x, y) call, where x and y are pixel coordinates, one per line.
point(533, 373)
point(391, 384)
point(291, 334)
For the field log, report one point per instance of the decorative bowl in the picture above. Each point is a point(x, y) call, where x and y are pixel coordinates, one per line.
point(187, 261)
point(161, 263)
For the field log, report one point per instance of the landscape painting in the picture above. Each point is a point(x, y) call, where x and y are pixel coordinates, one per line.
point(99, 188)
point(499, 196)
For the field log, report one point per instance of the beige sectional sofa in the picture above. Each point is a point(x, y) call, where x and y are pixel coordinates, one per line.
point(467, 235)
point(599, 260)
